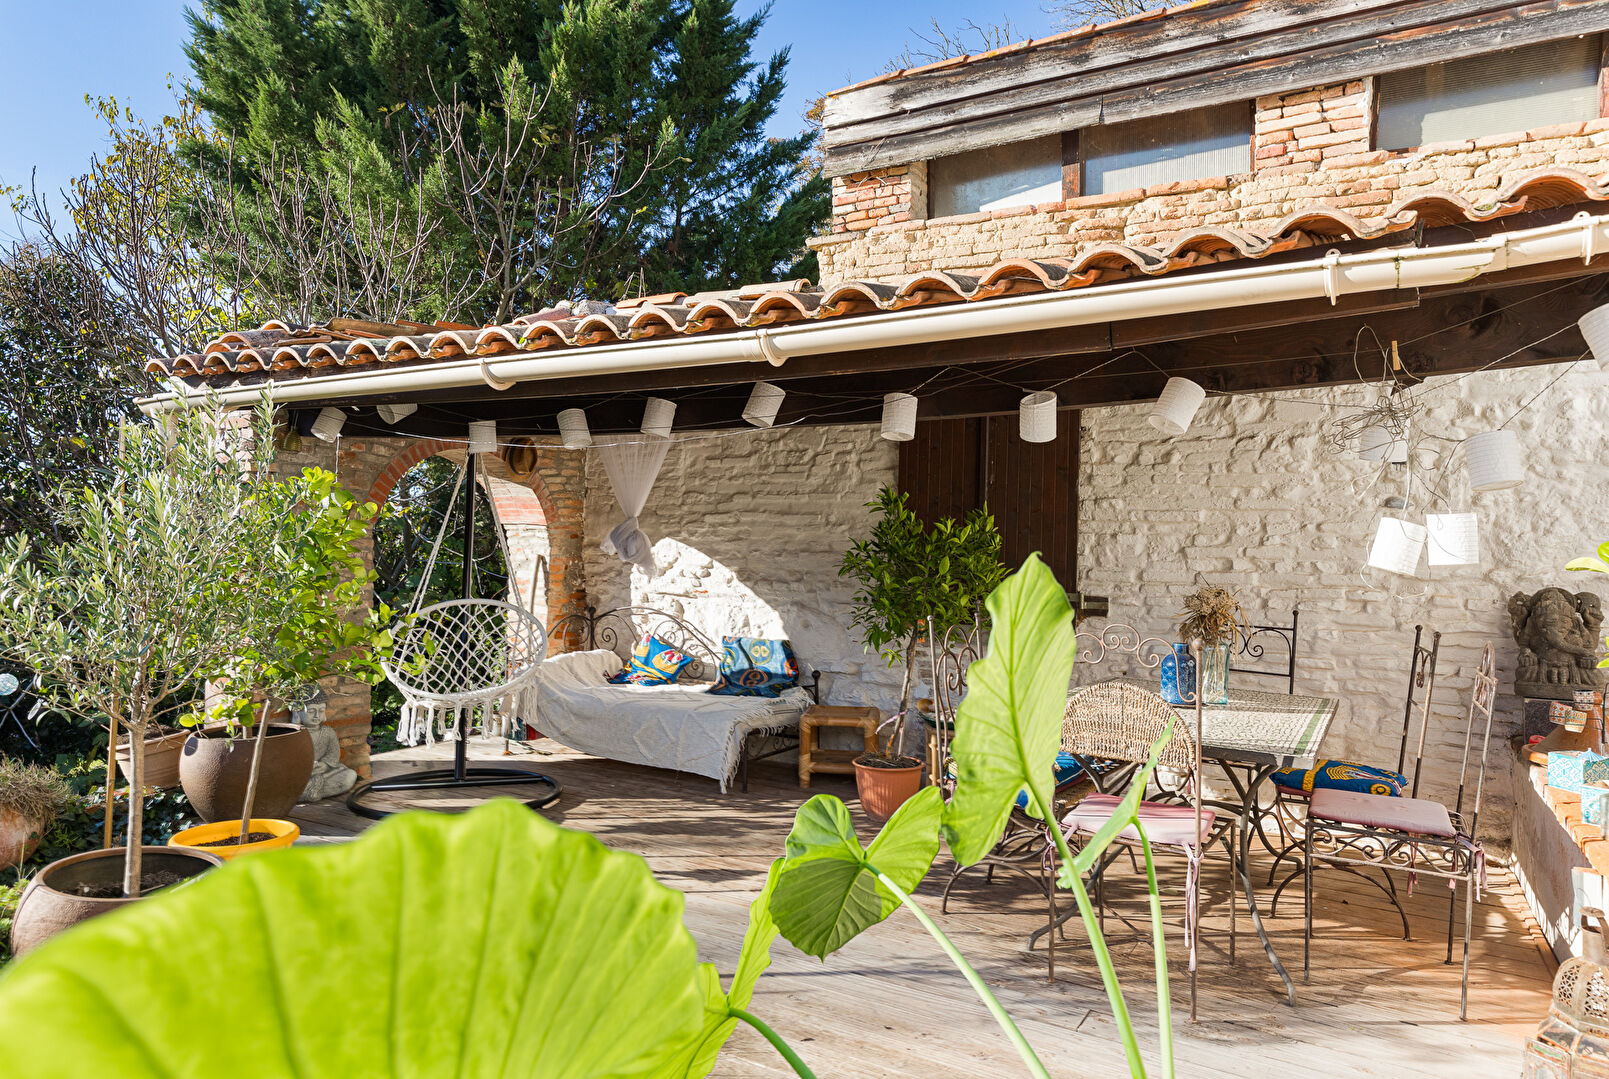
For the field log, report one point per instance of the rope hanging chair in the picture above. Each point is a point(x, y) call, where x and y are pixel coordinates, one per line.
point(476, 656)
point(462, 662)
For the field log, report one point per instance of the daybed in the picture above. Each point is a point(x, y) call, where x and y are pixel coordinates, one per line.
point(682, 726)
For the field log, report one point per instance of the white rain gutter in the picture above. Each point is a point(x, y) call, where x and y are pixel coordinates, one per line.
point(1333, 276)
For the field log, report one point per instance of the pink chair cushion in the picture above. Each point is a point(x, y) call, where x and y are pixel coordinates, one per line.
point(1417, 816)
point(1167, 824)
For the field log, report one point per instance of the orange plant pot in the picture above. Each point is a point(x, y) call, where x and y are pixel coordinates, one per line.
point(883, 790)
point(284, 832)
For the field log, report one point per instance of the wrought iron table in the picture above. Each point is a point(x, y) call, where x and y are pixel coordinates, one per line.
point(1252, 737)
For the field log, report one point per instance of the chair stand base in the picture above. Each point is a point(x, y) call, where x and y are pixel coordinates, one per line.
point(450, 779)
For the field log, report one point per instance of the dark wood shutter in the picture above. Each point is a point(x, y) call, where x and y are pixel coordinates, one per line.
point(955, 465)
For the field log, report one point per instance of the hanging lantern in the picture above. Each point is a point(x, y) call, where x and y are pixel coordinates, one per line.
point(483, 436)
point(1397, 546)
point(396, 413)
point(765, 401)
point(1036, 417)
point(328, 424)
point(1493, 460)
point(1177, 406)
point(899, 417)
point(573, 429)
point(1595, 328)
point(657, 416)
point(1377, 444)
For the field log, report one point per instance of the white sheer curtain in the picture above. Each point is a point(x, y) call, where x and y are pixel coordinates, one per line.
point(633, 465)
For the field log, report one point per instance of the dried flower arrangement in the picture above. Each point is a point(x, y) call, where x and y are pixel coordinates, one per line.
point(1212, 614)
point(35, 794)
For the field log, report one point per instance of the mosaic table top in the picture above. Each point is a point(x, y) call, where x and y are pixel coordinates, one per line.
point(1255, 727)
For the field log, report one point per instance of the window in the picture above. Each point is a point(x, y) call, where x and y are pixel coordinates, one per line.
point(1166, 149)
point(1555, 82)
point(1019, 174)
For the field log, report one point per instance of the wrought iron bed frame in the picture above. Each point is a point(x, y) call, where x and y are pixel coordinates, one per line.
point(619, 628)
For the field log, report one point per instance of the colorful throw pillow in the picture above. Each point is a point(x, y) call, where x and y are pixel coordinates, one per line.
point(652, 663)
point(1067, 770)
point(756, 667)
point(1343, 776)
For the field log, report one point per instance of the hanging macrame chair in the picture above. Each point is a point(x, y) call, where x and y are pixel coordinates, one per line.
point(476, 656)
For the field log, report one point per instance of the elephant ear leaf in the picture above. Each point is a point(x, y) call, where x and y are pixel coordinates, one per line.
point(827, 892)
point(1598, 563)
point(1008, 727)
point(486, 945)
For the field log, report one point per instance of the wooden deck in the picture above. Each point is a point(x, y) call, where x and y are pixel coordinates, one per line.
point(891, 1005)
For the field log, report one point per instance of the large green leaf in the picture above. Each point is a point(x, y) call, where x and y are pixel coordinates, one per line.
point(1008, 726)
point(492, 944)
point(827, 892)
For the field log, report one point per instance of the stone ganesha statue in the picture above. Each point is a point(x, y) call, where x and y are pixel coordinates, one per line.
point(1560, 639)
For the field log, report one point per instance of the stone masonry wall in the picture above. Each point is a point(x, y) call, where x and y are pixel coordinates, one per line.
point(748, 529)
point(1253, 499)
point(1309, 149)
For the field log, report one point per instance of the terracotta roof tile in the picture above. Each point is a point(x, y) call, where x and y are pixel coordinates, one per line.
point(281, 351)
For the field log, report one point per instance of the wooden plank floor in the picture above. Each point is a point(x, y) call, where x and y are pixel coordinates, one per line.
point(891, 1005)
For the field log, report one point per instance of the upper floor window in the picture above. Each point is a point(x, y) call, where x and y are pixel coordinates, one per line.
point(1555, 82)
point(1166, 149)
point(1017, 174)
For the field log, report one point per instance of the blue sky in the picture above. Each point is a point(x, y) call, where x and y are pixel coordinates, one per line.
point(61, 50)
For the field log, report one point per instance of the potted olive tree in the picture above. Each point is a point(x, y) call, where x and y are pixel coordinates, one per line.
point(121, 618)
point(302, 617)
point(910, 580)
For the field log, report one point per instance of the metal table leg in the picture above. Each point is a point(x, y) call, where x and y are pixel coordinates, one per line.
point(1248, 808)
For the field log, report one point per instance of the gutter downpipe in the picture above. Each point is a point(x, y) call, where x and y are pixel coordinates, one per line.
point(1332, 276)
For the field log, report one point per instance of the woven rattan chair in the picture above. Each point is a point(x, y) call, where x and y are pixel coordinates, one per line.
point(1412, 835)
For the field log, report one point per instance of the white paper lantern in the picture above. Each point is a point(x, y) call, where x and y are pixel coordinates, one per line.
point(328, 424)
point(1397, 546)
point(396, 413)
point(1177, 406)
point(1493, 460)
point(1036, 417)
point(1376, 444)
point(573, 429)
point(899, 417)
point(483, 436)
point(765, 401)
point(1595, 328)
point(657, 416)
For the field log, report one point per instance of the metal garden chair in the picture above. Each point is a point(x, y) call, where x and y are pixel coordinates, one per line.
point(1410, 835)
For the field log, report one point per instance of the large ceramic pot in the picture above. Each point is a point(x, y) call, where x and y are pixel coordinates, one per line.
point(19, 837)
point(52, 901)
point(161, 759)
point(883, 790)
point(214, 770)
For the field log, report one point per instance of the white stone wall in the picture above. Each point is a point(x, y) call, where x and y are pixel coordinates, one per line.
point(1252, 498)
point(748, 529)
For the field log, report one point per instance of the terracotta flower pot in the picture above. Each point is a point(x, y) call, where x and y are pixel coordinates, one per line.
point(283, 831)
point(19, 837)
point(214, 770)
point(161, 759)
point(52, 902)
point(883, 790)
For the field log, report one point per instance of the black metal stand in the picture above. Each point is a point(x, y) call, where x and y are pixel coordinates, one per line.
point(460, 775)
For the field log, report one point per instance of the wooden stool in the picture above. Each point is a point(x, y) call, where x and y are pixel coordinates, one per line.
point(813, 759)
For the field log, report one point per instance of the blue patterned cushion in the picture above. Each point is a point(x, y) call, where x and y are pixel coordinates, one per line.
point(756, 667)
point(653, 663)
point(1067, 770)
point(1342, 776)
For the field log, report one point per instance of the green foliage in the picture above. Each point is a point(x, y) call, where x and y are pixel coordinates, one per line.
point(530, 949)
point(1596, 563)
point(10, 896)
point(827, 893)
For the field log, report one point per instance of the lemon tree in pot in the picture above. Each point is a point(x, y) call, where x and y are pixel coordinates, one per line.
point(913, 579)
point(302, 617)
point(119, 618)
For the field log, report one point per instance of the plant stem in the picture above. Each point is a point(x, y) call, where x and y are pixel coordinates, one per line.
point(132, 870)
point(1024, 1050)
point(256, 763)
point(776, 1041)
point(111, 778)
point(1097, 944)
point(1159, 947)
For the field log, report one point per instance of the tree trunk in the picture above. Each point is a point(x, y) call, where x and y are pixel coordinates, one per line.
point(256, 763)
point(896, 735)
point(111, 782)
point(136, 812)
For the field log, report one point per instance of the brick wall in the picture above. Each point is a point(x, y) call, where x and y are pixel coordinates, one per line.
point(1309, 149)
